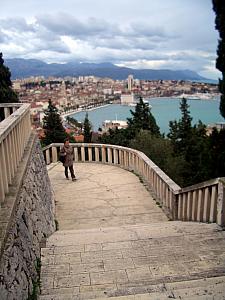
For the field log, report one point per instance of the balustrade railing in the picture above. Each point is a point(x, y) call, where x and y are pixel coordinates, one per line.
point(15, 131)
point(203, 202)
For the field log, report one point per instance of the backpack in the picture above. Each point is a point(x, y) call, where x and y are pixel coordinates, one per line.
point(62, 158)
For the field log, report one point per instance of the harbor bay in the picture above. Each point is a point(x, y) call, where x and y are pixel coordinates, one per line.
point(163, 109)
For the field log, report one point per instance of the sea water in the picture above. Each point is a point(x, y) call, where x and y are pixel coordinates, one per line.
point(163, 109)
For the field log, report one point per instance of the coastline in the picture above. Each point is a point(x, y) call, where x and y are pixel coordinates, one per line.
point(81, 109)
point(63, 115)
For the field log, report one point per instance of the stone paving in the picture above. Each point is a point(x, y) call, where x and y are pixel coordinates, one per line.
point(126, 249)
point(103, 196)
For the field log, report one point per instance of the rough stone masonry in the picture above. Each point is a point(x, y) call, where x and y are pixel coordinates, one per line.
point(31, 219)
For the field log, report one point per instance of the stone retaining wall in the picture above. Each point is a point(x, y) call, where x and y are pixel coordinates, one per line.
point(28, 217)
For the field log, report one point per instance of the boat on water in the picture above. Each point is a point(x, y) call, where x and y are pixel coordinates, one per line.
point(198, 96)
point(113, 124)
point(135, 103)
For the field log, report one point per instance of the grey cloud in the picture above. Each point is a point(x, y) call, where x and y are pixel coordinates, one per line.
point(65, 24)
point(147, 30)
point(16, 24)
point(3, 37)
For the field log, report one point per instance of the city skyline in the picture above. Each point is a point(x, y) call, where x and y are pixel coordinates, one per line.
point(170, 34)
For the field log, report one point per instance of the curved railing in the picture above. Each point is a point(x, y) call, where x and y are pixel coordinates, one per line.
point(203, 202)
point(15, 131)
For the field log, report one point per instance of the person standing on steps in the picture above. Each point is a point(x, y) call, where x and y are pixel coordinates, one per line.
point(67, 151)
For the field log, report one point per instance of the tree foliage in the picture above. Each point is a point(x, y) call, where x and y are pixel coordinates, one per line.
point(187, 155)
point(7, 95)
point(219, 8)
point(142, 119)
point(52, 125)
point(87, 130)
point(181, 131)
point(74, 122)
point(190, 146)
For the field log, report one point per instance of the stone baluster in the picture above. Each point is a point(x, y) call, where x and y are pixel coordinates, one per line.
point(120, 157)
point(47, 156)
point(82, 154)
point(96, 154)
point(213, 204)
point(206, 203)
point(180, 207)
point(221, 204)
point(6, 112)
point(109, 152)
point(3, 175)
point(10, 153)
point(189, 206)
point(115, 155)
point(75, 151)
point(200, 206)
point(54, 155)
point(90, 158)
point(194, 206)
point(103, 154)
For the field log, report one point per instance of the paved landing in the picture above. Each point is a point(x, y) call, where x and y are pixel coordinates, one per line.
point(103, 196)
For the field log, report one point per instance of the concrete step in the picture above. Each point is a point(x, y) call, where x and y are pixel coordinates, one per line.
point(205, 289)
point(129, 232)
point(163, 260)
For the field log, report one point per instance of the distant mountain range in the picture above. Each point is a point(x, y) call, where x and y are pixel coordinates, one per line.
point(22, 68)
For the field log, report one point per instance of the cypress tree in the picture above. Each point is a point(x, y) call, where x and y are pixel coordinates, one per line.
point(219, 8)
point(7, 95)
point(52, 125)
point(87, 129)
point(181, 131)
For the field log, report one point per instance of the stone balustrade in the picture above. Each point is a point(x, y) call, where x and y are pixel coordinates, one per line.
point(203, 202)
point(15, 131)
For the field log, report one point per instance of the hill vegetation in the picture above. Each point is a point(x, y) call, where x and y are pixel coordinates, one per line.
point(187, 154)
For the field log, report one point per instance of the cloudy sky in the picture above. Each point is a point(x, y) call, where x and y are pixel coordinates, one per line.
point(174, 34)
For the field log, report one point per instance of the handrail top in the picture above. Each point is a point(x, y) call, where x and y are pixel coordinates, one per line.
point(202, 185)
point(17, 104)
point(11, 121)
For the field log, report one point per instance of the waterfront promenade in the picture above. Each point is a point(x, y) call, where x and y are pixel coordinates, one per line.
point(115, 241)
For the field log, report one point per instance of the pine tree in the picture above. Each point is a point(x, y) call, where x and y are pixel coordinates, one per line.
point(52, 125)
point(181, 131)
point(7, 95)
point(142, 119)
point(87, 129)
point(219, 8)
point(190, 145)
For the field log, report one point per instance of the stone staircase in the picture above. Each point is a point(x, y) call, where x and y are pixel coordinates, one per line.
point(164, 260)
